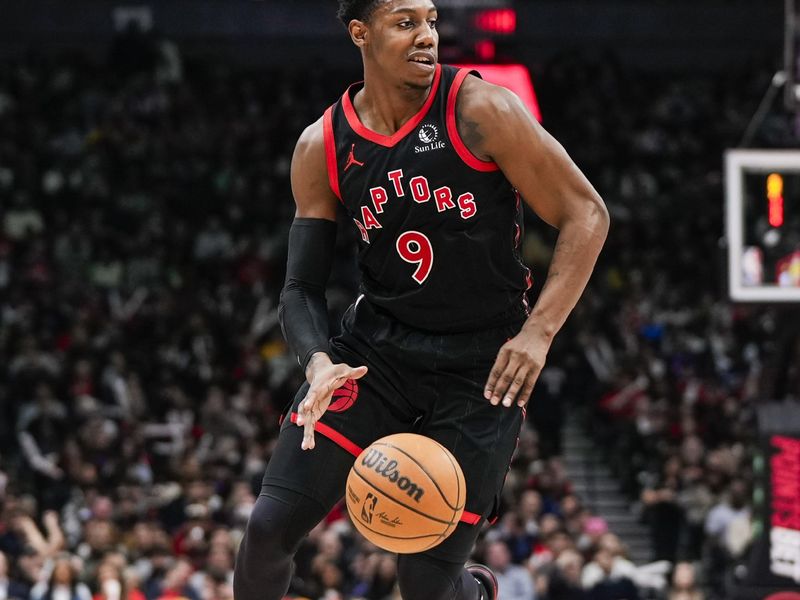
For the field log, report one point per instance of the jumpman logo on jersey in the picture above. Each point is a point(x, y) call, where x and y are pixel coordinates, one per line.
point(351, 159)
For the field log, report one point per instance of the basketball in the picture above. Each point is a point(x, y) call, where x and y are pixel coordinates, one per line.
point(405, 493)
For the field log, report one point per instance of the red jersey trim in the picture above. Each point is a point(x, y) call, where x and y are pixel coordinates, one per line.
point(470, 518)
point(452, 129)
point(517, 249)
point(334, 436)
point(330, 152)
point(390, 140)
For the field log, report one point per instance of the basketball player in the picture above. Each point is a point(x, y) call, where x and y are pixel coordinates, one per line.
point(427, 162)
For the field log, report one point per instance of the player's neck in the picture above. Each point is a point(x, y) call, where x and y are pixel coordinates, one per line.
point(384, 106)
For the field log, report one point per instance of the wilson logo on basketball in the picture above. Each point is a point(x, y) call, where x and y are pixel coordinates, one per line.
point(377, 461)
point(344, 397)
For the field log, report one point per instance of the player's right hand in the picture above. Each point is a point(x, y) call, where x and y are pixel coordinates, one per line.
point(324, 378)
point(518, 365)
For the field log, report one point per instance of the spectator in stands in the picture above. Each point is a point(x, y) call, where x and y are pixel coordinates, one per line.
point(621, 568)
point(384, 580)
point(41, 431)
point(112, 584)
point(732, 506)
point(562, 581)
point(63, 583)
point(722, 519)
point(684, 583)
point(664, 513)
point(592, 531)
point(100, 538)
point(511, 531)
point(610, 586)
point(176, 582)
point(530, 510)
point(695, 499)
point(32, 568)
point(514, 581)
point(10, 588)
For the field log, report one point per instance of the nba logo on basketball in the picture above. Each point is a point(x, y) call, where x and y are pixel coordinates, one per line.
point(344, 397)
point(369, 508)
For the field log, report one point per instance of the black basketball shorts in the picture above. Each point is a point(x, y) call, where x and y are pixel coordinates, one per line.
point(419, 382)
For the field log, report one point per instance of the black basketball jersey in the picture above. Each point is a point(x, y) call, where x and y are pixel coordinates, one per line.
point(439, 228)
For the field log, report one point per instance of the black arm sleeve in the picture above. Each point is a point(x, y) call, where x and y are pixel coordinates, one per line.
point(303, 310)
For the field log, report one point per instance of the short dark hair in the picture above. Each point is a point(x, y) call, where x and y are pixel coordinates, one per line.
point(360, 10)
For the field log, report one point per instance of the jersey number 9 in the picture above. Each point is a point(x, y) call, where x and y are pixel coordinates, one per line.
point(415, 248)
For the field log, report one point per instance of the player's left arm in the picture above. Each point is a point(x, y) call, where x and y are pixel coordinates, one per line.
point(495, 125)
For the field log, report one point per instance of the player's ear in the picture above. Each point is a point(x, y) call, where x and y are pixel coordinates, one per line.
point(358, 32)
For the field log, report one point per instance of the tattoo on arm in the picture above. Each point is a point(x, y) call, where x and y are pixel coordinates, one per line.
point(468, 129)
point(473, 110)
point(470, 133)
point(562, 246)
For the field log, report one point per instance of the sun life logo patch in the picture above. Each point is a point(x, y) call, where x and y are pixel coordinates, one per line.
point(428, 134)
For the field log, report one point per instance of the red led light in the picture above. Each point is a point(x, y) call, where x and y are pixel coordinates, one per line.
point(775, 199)
point(485, 50)
point(514, 77)
point(501, 21)
point(776, 212)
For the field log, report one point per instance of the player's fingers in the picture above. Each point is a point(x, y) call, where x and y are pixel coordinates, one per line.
point(356, 373)
point(494, 375)
point(525, 393)
point(302, 409)
point(310, 415)
point(532, 368)
point(308, 435)
point(309, 403)
point(517, 382)
point(505, 381)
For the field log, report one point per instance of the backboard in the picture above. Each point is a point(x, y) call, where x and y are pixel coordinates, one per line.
point(762, 225)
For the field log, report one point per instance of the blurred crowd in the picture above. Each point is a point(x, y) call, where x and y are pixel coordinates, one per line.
point(145, 207)
point(666, 373)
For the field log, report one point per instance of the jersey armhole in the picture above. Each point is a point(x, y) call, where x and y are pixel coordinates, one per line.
point(452, 129)
point(330, 152)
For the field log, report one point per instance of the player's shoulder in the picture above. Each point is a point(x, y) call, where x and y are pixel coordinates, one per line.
point(310, 148)
point(481, 101)
point(311, 181)
point(313, 136)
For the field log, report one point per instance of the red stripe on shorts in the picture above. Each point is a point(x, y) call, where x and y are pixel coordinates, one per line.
point(470, 518)
point(333, 435)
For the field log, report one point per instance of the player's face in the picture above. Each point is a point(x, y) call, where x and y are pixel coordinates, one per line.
point(404, 41)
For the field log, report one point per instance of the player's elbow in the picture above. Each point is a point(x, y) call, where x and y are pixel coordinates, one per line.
point(598, 217)
point(589, 215)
